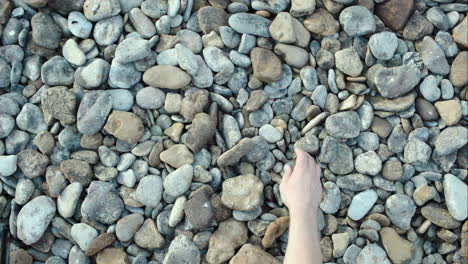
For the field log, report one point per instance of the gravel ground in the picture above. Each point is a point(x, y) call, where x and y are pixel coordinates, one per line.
point(156, 131)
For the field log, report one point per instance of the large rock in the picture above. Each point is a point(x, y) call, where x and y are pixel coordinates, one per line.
point(45, 32)
point(34, 218)
point(357, 21)
point(59, 103)
point(243, 193)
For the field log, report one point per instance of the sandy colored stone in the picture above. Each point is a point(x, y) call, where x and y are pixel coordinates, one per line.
point(266, 65)
point(322, 23)
point(243, 192)
point(275, 230)
point(458, 75)
point(231, 234)
point(464, 240)
point(148, 236)
point(423, 194)
point(450, 111)
point(112, 256)
point(439, 216)
point(99, 243)
point(250, 254)
point(177, 155)
point(20, 256)
point(166, 76)
point(399, 250)
point(125, 126)
point(460, 33)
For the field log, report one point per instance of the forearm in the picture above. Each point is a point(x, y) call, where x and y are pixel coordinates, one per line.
point(304, 240)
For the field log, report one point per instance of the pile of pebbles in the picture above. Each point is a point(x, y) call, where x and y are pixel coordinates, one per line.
point(156, 131)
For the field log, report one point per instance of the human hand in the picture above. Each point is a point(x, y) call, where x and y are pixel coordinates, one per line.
point(301, 189)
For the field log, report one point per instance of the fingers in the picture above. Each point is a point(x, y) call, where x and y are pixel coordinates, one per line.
point(300, 158)
point(287, 172)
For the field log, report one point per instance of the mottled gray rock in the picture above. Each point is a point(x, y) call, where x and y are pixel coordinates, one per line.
point(93, 111)
point(8, 165)
point(383, 45)
point(357, 21)
point(150, 98)
point(149, 191)
point(348, 61)
point(361, 204)
point(57, 71)
point(400, 209)
point(96, 10)
point(83, 235)
point(108, 31)
point(34, 218)
point(79, 25)
point(182, 250)
point(455, 192)
point(178, 182)
point(44, 31)
point(30, 119)
point(397, 81)
point(93, 74)
point(343, 125)
point(331, 198)
point(434, 57)
point(450, 140)
point(250, 24)
point(102, 203)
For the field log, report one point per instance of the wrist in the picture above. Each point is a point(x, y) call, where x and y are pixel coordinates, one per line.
point(304, 214)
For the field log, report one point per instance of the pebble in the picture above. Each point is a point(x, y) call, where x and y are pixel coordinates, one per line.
point(321, 22)
point(348, 61)
point(92, 74)
point(127, 226)
point(178, 182)
point(83, 235)
point(455, 192)
point(150, 98)
point(331, 198)
point(34, 218)
point(182, 250)
point(123, 75)
point(45, 32)
point(132, 49)
point(211, 19)
point(388, 80)
point(266, 65)
point(229, 236)
point(125, 126)
point(78, 25)
point(93, 111)
point(201, 132)
point(59, 103)
point(370, 253)
point(395, 14)
point(24, 191)
point(72, 53)
point(383, 45)
point(96, 10)
point(142, 23)
point(400, 209)
point(148, 236)
point(434, 57)
point(343, 125)
point(270, 133)
point(8, 165)
point(57, 71)
point(242, 193)
point(165, 76)
point(107, 31)
point(177, 156)
point(68, 199)
point(357, 21)
point(149, 191)
point(362, 204)
point(246, 23)
point(450, 140)
point(439, 216)
point(102, 203)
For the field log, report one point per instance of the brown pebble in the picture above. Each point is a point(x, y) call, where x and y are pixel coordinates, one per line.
point(275, 230)
point(99, 243)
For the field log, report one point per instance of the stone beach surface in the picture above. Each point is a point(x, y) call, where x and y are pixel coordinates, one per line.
point(156, 131)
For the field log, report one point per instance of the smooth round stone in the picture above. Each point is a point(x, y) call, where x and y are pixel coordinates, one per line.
point(24, 191)
point(72, 53)
point(149, 191)
point(16, 141)
point(372, 253)
point(361, 204)
point(368, 141)
point(45, 32)
point(123, 75)
point(178, 182)
point(96, 10)
point(57, 71)
point(92, 74)
point(270, 133)
point(252, 24)
point(383, 45)
point(132, 49)
point(429, 89)
point(8, 165)
point(182, 250)
point(357, 21)
point(127, 226)
point(83, 234)
point(79, 25)
point(30, 119)
point(343, 125)
point(150, 98)
point(245, 216)
point(68, 199)
point(7, 123)
point(368, 163)
point(102, 203)
point(34, 218)
point(93, 111)
point(400, 209)
point(122, 100)
point(108, 31)
point(69, 138)
point(331, 198)
point(455, 192)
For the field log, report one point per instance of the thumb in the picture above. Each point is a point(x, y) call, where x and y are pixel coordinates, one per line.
point(287, 172)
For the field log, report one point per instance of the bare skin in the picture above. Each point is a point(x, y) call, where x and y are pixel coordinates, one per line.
point(301, 191)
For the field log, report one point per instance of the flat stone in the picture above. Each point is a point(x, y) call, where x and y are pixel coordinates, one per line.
point(148, 236)
point(96, 10)
point(252, 24)
point(99, 243)
point(439, 216)
point(389, 80)
point(343, 125)
point(125, 126)
point(182, 250)
point(127, 226)
point(348, 61)
point(361, 204)
point(149, 191)
point(455, 192)
point(433, 56)
point(458, 75)
point(250, 254)
point(150, 98)
point(392, 105)
point(201, 132)
point(399, 250)
point(372, 253)
point(229, 236)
